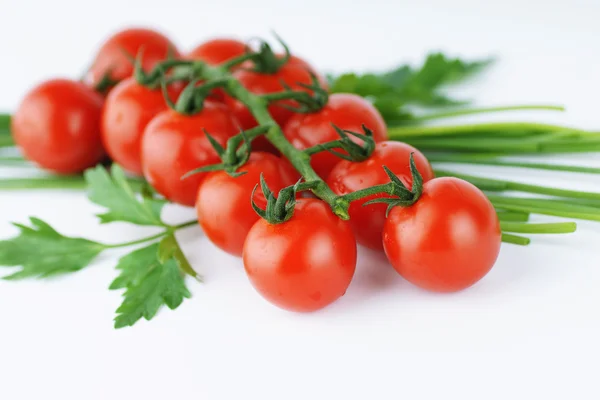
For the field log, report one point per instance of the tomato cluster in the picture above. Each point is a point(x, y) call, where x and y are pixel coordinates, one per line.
point(446, 241)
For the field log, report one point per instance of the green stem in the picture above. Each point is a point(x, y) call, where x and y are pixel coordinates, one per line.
point(6, 141)
point(485, 110)
point(501, 185)
point(403, 132)
point(171, 229)
point(483, 160)
point(540, 206)
point(134, 242)
point(5, 122)
point(515, 239)
point(550, 228)
point(258, 106)
point(512, 216)
point(54, 182)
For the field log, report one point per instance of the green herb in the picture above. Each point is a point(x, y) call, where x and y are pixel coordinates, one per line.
point(150, 282)
point(405, 85)
point(114, 192)
point(42, 252)
point(152, 276)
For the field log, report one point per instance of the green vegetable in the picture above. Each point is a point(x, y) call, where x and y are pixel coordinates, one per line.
point(152, 276)
point(405, 85)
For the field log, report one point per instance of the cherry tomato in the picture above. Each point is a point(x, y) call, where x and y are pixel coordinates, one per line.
point(223, 203)
point(305, 263)
point(112, 58)
point(217, 51)
point(347, 177)
point(448, 240)
point(129, 107)
point(348, 112)
point(57, 126)
point(174, 144)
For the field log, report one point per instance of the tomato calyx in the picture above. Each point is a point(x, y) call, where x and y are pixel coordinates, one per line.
point(105, 84)
point(354, 151)
point(279, 209)
point(307, 102)
point(234, 155)
point(266, 60)
point(403, 196)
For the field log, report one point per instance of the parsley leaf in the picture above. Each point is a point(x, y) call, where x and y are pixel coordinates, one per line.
point(135, 265)
point(150, 284)
point(114, 192)
point(42, 252)
point(169, 248)
point(393, 90)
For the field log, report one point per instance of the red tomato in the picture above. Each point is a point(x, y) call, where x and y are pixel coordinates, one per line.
point(111, 59)
point(174, 144)
point(347, 177)
point(223, 203)
point(448, 240)
point(129, 107)
point(305, 263)
point(217, 51)
point(57, 126)
point(348, 112)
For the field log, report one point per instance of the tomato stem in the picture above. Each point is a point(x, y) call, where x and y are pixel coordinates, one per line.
point(485, 110)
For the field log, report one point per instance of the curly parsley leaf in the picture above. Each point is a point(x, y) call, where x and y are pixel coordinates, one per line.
point(150, 283)
point(42, 252)
point(391, 91)
point(113, 191)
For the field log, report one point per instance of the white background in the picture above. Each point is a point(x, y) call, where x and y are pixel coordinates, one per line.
point(529, 330)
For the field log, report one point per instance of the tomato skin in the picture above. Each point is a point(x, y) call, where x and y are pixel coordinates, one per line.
point(223, 203)
point(448, 240)
point(348, 112)
point(217, 51)
point(112, 60)
point(129, 107)
point(174, 144)
point(57, 126)
point(305, 263)
point(347, 177)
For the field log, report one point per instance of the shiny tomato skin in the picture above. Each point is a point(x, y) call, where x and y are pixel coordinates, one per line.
point(111, 58)
point(57, 126)
point(174, 144)
point(217, 51)
point(448, 240)
point(347, 177)
point(223, 203)
point(305, 263)
point(348, 112)
point(128, 108)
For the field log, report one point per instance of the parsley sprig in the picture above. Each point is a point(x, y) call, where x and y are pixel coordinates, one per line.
point(151, 276)
point(392, 91)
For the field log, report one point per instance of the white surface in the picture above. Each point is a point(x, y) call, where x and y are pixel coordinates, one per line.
point(529, 330)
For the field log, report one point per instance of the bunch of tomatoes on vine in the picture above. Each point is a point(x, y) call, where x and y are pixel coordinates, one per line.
point(280, 172)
